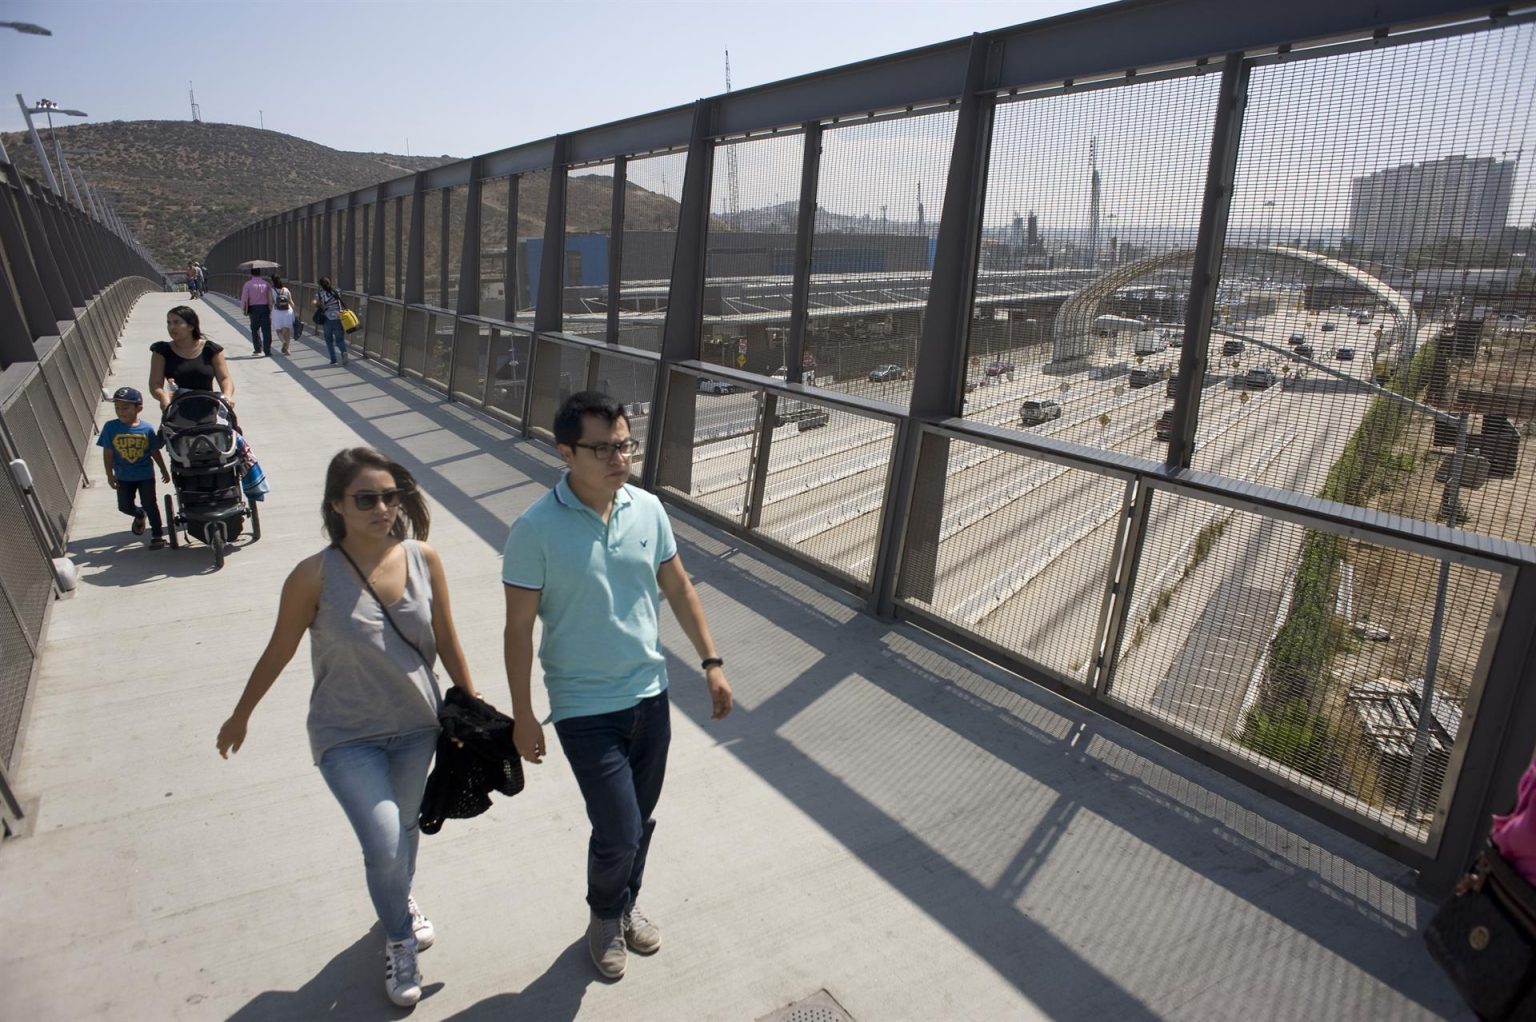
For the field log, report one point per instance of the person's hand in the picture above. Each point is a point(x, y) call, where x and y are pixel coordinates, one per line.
point(720, 698)
point(111, 481)
point(231, 736)
point(165, 476)
point(528, 736)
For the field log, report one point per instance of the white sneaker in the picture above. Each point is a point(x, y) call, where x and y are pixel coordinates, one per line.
point(421, 926)
point(402, 977)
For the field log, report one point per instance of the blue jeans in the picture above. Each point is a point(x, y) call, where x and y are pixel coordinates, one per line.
point(619, 760)
point(335, 338)
point(379, 783)
point(136, 495)
point(261, 328)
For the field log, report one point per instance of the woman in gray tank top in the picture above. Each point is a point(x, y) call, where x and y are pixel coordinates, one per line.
point(373, 708)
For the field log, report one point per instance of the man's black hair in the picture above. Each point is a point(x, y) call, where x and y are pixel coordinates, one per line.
point(579, 406)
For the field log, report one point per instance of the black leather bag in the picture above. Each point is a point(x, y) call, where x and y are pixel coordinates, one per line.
point(1484, 937)
point(318, 316)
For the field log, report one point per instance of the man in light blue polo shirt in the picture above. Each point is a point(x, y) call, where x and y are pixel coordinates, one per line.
point(590, 560)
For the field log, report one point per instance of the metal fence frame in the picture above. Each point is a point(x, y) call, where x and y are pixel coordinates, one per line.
point(68, 281)
point(1092, 49)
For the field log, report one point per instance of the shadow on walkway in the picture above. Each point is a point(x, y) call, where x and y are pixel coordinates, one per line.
point(897, 744)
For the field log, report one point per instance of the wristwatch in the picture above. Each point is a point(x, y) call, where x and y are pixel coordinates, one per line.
point(709, 662)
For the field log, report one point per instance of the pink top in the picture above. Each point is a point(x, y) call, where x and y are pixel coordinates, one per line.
point(1515, 835)
point(255, 292)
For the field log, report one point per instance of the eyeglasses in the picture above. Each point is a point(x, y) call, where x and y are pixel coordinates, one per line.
point(365, 500)
point(605, 451)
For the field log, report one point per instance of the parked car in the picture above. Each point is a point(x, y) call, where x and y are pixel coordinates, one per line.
point(1233, 348)
point(1163, 427)
point(1304, 350)
point(1328, 327)
point(1146, 376)
point(1033, 413)
point(1296, 338)
point(1257, 378)
point(1345, 354)
point(707, 386)
point(1000, 368)
point(880, 374)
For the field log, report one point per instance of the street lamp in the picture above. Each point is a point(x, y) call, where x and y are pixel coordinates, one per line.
point(48, 107)
point(1269, 224)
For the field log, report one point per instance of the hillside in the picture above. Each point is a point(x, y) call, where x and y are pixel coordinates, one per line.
point(182, 185)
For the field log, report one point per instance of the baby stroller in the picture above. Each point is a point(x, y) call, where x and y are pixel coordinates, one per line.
point(199, 432)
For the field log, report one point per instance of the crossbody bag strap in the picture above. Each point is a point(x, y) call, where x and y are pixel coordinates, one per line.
point(387, 615)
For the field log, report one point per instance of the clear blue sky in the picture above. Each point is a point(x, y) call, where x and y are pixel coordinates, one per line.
point(454, 77)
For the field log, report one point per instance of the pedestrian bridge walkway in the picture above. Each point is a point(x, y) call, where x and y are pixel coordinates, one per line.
point(918, 833)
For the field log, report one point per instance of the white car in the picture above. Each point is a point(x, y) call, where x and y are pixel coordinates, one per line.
point(707, 386)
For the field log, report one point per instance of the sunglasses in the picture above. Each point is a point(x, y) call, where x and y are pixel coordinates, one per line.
point(366, 500)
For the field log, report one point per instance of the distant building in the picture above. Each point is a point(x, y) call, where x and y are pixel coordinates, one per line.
point(1413, 204)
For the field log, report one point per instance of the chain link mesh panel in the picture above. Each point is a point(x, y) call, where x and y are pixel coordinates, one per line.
point(879, 200)
point(652, 206)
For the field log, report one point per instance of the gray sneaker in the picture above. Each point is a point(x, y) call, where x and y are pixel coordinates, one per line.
point(605, 943)
point(640, 933)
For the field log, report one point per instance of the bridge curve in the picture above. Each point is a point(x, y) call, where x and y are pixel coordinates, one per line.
point(1074, 334)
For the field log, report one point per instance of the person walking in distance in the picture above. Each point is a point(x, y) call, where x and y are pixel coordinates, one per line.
point(590, 559)
point(282, 312)
point(375, 604)
point(256, 302)
point(328, 301)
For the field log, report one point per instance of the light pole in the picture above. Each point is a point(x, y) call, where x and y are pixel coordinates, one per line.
point(1269, 224)
point(49, 108)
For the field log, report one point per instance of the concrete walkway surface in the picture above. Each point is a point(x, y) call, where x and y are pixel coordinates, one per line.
point(914, 831)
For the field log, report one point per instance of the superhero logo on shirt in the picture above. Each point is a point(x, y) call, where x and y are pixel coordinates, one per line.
point(131, 447)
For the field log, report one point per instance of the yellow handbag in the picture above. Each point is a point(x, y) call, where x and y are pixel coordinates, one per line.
point(349, 321)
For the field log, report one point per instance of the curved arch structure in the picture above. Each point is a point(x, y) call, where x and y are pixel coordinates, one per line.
point(1075, 337)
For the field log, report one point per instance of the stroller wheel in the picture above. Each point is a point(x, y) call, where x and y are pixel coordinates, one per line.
point(170, 521)
point(215, 534)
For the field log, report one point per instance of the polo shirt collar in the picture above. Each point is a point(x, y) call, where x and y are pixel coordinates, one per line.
point(567, 496)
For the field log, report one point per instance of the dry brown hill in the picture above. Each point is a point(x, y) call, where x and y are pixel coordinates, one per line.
point(183, 185)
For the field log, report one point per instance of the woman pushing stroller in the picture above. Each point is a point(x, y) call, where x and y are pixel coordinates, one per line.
point(375, 603)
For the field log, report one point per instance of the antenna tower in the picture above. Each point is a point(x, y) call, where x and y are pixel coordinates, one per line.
point(733, 202)
point(1093, 203)
point(197, 111)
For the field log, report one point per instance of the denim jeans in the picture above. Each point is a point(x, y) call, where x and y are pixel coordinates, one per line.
point(136, 495)
point(379, 783)
point(261, 328)
point(335, 338)
point(619, 760)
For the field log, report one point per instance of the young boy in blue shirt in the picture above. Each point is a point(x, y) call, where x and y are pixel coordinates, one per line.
point(128, 444)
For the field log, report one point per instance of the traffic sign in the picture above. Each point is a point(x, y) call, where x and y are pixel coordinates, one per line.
point(741, 345)
point(741, 360)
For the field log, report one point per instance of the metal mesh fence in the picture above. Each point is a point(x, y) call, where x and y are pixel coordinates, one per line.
point(471, 347)
point(32, 442)
point(588, 234)
point(1377, 267)
point(394, 324)
point(1267, 639)
point(1022, 555)
point(631, 383)
point(532, 211)
point(749, 263)
point(413, 342)
point(1092, 203)
point(825, 483)
point(507, 383)
point(496, 198)
point(651, 210)
point(706, 452)
point(879, 199)
point(439, 354)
